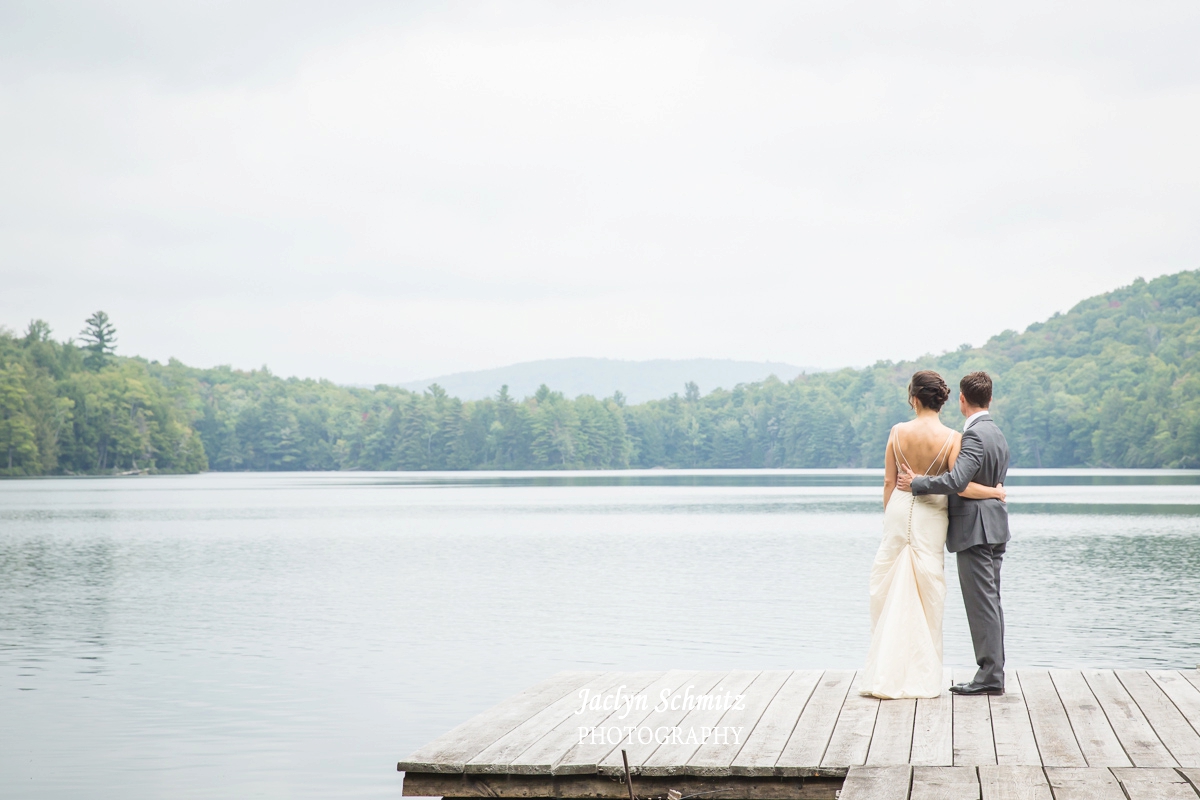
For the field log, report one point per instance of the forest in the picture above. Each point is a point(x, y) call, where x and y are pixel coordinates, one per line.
point(1114, 382)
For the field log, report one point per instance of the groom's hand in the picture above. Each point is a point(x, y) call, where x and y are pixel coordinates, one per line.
point(904, 477)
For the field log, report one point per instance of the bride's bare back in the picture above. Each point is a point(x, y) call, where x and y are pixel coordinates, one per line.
point(924, 445)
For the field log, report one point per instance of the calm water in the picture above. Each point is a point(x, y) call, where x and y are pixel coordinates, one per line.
point(294, 635)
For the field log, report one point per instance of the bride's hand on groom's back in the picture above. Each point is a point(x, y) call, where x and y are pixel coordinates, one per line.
point(1003, 495)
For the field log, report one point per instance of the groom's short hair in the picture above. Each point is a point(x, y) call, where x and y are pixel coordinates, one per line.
point(977, 388)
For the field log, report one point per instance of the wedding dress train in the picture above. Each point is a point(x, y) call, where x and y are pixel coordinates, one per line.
point(908, 593)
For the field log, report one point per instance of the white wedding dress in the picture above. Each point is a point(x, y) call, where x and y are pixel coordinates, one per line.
point(908, 592)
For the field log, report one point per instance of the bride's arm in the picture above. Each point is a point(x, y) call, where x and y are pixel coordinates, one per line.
point(889, 470)
point(977, 491)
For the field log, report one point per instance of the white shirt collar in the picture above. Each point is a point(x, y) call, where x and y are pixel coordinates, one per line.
point(971, 419)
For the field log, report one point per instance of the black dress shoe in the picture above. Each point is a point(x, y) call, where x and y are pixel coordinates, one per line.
point(975, 688)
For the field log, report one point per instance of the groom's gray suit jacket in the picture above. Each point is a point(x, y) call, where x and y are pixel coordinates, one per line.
point(983, 459)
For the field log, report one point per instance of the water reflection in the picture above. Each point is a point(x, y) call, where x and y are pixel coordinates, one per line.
point(293, 635)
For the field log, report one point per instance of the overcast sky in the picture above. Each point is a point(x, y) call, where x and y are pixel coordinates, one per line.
point(383, 192)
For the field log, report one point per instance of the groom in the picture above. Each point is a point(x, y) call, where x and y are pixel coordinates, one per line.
point(978, 530)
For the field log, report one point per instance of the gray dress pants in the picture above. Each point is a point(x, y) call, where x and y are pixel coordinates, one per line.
point(979, 577)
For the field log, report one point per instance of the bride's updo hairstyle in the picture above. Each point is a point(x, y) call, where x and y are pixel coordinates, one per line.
point(929, 388)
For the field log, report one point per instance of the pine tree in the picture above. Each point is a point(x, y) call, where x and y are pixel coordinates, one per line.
point(101, 339)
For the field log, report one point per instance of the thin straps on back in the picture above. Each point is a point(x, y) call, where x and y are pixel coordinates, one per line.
point(941, 454)
point(944, 453)
point(896, 445)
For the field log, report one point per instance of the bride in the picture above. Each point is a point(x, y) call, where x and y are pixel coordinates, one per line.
point(908, 587)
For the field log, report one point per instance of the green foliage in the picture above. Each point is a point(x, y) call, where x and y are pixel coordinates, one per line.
point(18, 443)
point(100, 340)
point(60, 416)
point(1115, 382)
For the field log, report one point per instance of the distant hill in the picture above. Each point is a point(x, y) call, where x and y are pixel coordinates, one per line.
point(600, 377)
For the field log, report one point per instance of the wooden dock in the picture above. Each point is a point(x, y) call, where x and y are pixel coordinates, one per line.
point(750, 735)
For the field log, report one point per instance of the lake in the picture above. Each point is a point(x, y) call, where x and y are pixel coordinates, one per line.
point(295, 634)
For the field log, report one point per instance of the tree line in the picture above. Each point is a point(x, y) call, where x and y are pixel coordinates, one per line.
point(1114, 382)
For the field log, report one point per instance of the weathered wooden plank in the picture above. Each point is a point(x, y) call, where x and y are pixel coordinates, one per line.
point(1193, 776)
point(1008, 782)
point(1096, 738)
point(1192, 675)
point(671, 757)
point(933, 729)
point(877, 783)
point(1084, 783)
point(891, 743)
point(669, 717)
point(852, 734)
point(1011, 728)
point(600, 787)
point(451, 751)
point(1154, 784)
point(766, 742)
point(541, 756)
point(1183, 694)
point(715, 756)
point(1141, 743)
point(1164, 716)
point(806, 747)
point(945, 783)
point(496, 757)
point(973, 740)
point(584, 758)
point(1051, 727)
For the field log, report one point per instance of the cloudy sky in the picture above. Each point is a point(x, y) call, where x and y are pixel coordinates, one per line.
point(383, 192)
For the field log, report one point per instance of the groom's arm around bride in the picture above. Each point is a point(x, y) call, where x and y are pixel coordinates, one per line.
point(978, 529)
